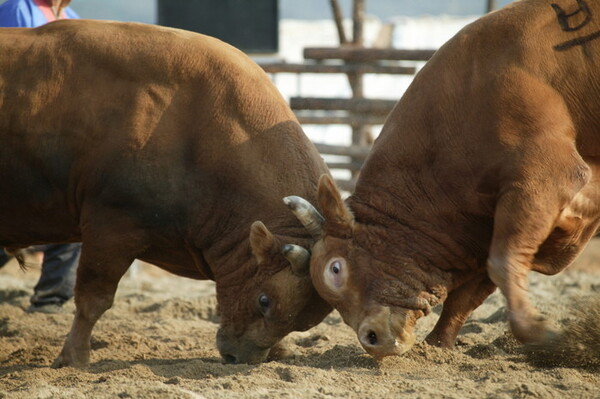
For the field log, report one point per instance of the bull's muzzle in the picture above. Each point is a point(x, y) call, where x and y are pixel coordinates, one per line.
point(385, 334)
point(235, 350)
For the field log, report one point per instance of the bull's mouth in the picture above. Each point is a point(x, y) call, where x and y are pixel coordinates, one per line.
point(229, 359)
point(235, 350)
point(244, 355)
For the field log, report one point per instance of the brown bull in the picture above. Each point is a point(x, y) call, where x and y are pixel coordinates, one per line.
point(486, 169)
point(162, 145)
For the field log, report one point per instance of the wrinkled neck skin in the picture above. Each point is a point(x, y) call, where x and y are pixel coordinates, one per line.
point(223, 257)
point(416, 240)
point(423, 187)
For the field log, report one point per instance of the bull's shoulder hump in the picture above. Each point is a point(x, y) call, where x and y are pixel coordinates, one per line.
point(123, 40)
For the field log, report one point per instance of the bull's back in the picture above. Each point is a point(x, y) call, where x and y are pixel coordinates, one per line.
point(481, 96)
point(134, 117)
point(534, 55)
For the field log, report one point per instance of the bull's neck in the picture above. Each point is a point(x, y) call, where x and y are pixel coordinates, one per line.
point(418, 224)
point(230, 256)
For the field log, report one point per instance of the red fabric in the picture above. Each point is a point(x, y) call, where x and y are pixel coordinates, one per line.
point(47, 11)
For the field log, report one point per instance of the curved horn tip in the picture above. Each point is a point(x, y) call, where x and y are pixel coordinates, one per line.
point(293, 249)
point(287, 248)
point(299, 204)
point(292, 201)
point(307, 214)
point(299, 258)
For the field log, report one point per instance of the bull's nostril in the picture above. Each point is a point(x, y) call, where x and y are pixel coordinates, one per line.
point(372, 337)
point(229, 359)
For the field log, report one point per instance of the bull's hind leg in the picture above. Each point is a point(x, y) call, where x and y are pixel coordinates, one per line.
point(527, 212)
point(104, 260)
point(457, 308)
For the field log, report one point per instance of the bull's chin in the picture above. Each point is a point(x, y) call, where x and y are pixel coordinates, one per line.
point(236, 350)
point(280, 351)
point(244, 356)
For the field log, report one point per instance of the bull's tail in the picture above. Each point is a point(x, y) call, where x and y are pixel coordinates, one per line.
point(19, 254)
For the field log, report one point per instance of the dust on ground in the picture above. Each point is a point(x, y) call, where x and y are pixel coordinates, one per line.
point(158, 341)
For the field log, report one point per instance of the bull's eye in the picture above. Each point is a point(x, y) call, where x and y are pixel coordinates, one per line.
point(336, 267)
point(336, 274)
point(263, 302)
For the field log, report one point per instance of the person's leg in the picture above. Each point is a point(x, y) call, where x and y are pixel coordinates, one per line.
point(57, 280)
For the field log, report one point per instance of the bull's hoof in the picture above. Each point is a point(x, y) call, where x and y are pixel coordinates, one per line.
point(551, 335)
point(440, 341)
point(64, 360)
point(537, 331)
point(59, 362)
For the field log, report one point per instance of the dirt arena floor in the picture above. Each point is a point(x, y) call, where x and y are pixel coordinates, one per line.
point(158, 341)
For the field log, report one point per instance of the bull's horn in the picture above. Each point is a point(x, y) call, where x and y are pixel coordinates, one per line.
point(306, 214)
point(298, 257)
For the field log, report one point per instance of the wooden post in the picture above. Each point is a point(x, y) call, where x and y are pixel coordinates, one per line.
point(491, 5)
point(354, 105)
point(362, 54)
point(339, 20)
point(286, 67)
point(360, 132)
point(358, 17)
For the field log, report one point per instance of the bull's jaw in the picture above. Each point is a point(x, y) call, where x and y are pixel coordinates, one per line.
point(239, 350)
point(384, 332)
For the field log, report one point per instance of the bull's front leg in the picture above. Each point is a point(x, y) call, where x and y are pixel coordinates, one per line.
point(76, 350)
point(527, 325)
point(457, 308)
point(540, 173)
point(98, 276)
point(526, 214)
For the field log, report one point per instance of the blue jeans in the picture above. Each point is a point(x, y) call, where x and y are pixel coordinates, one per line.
point(59, 269)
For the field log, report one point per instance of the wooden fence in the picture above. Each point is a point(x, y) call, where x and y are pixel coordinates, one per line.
point(354, 60)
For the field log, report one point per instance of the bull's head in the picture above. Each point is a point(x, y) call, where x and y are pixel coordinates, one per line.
point(362, 287)
point(281, 297)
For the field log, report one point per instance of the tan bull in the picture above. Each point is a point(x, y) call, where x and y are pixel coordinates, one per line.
point(487, 168)
point(162, 145)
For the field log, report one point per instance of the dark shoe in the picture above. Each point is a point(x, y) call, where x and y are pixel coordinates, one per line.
point(48, 308)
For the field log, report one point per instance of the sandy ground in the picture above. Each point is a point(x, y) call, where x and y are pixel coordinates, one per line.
point(158, 341)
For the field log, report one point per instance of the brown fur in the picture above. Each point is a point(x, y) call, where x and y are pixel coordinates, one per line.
point(158, 144)
point(488, 163)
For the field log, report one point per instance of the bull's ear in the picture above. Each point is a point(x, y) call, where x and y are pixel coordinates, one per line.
point(262, 242)
point(339, 220)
